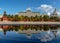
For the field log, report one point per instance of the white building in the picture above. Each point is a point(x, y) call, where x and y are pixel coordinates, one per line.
point(28, 13)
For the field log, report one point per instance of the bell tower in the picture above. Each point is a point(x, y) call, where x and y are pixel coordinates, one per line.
point(54, 13)
point(4, 13)
point(5, 18)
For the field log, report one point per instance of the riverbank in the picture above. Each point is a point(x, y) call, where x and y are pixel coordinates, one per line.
point(22, 22)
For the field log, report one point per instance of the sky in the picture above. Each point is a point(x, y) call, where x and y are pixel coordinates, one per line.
point(15, 6)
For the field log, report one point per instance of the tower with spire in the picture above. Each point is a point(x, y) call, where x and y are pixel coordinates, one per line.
point(4, 13)
point(54, 13)
point(4, 18)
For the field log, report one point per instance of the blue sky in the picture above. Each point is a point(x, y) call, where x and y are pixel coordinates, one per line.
point(14, 6)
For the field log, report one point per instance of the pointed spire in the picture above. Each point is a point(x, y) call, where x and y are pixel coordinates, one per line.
point(55, 10)
point(4, 13)
point(54, 13)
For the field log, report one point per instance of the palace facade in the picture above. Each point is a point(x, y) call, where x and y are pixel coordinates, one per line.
point(29, 13)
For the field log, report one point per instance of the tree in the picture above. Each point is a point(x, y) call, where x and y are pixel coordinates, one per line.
point(16, 18)
point(40, 18)
point(46, 18)
point(31, 18)
point(10, 17)
point(36, 18)
point(21, 18)
point(54, 18)
point(26, 18)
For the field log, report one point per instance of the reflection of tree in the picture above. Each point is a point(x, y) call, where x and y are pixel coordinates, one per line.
point(32, 27)
point(46, 27)
point(40, 27)
point(16, 28)
point(53, 27)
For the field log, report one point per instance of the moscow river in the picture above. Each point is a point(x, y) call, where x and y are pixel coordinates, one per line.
point(30, 34)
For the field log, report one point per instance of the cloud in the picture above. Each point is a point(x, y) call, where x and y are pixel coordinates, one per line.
point(46, 8)
point(46, 37)
point(58, 12)
point(28, 8)
point(49, 13)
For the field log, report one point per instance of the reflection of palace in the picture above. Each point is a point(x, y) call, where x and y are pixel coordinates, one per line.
point(28, 32)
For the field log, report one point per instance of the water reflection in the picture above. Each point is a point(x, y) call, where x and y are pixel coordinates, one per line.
point(46, 37)
point(41, 33)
